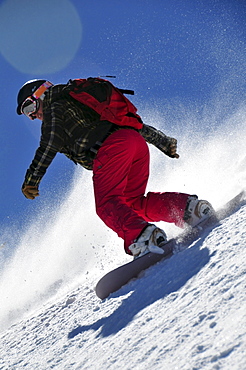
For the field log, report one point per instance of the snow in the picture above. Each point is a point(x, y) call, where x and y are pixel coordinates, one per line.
point(188, 312)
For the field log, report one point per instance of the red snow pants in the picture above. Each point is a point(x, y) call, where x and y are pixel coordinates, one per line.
point(120, 176)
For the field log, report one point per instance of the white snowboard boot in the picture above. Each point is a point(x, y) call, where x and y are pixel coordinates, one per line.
point(197, 211)
point(148, 241)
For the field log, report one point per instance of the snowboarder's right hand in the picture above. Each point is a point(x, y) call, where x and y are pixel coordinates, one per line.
point(30, 192)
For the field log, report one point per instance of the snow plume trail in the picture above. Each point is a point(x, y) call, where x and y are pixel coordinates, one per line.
point(211, 144)
point(60, 248)
point(69, 245)
point(212, 154)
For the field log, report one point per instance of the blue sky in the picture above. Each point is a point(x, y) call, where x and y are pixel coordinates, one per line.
point(165, 50)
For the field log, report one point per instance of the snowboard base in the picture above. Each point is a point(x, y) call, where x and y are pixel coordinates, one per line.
point(120, 276)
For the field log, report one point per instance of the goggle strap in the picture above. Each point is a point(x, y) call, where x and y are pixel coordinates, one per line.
point(39, 92)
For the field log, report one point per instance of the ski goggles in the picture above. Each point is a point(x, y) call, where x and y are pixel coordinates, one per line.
point(30, 105)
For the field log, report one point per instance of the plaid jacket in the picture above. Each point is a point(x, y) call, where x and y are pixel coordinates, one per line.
point(72, 128)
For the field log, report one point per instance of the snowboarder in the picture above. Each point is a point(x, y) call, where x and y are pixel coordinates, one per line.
point(117, 154)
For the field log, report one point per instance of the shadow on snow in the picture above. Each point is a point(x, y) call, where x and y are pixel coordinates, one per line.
point(158, 282)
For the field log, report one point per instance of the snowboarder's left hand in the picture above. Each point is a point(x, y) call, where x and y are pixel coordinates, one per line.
point(30, 192)
point(173, 151)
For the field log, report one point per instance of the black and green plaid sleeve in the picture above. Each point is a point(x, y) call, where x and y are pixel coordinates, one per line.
point(51, 142)
point(158, 139)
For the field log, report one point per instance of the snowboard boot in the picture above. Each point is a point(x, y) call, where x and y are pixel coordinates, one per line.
point(149, 241)
point(197, 211)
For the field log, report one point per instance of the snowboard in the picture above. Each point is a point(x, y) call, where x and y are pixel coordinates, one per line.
point(115, 279)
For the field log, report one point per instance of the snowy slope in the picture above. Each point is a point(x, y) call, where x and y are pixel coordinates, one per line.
point(188, 312)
